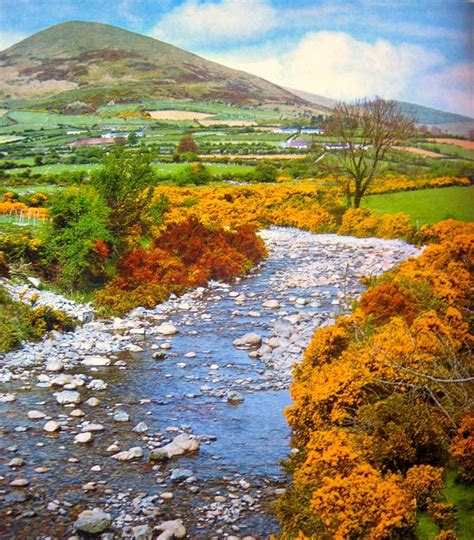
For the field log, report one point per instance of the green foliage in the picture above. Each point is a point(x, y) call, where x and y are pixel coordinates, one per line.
point(194, 173)
point(125, 183)
point(265, 172)
point(20, 322)
point(78, 221)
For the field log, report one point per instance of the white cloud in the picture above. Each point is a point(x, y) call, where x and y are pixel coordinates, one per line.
point(451, 88)
point(7, 39)
point(337, 65)
point(197, 23)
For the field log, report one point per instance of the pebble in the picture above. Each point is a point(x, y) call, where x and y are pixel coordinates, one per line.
point(51, 426)
point(83, 438)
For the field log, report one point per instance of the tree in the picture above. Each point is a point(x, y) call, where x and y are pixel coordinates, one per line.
point(187, 144)
point(367, 130)
point(265, 172)
point(78, 224)
point(126, 183)
point(194, 173)
point(132, 138)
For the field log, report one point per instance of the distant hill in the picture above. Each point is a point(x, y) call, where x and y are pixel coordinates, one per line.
point(451, 122)
point(94, 63)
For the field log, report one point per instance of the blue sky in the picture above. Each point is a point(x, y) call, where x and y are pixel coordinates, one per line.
point(414, 50)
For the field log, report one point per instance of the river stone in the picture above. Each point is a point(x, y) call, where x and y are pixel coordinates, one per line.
point(36, 415)
point(67, 396)
point(16, 497)
point(271, 304)
point(180, 445)
point(127, 455)
point(248, 340)
point(77, 413)
point(158, 355)
point(96, 361)
point(167, 329)
point(234, 397)
point(16, 462)
point(20, 482)
point(97, 384)
point(171, 529)
point(158, 455)
point(93, 402)
point(7, 398)
point(51, 426)
point(54, 365)
point(140, 428)
point(83, 438)
point(34, 281)
point(179, 475)
point(142, 532)
point(121, 416)
point(93, 521)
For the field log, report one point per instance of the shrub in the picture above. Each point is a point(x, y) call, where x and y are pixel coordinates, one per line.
point(78, 222)
point(424, 482)
point(463, 448)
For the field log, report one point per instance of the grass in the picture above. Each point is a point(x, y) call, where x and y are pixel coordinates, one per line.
point(428, 205)
point(461, 497)
point(168, 168)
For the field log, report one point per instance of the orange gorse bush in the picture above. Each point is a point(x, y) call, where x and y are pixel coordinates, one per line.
point(374, 404)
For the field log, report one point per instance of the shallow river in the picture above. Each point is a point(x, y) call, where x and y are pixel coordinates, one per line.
point(236, 472)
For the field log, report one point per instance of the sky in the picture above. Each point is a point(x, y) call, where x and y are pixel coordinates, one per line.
point(419, 51)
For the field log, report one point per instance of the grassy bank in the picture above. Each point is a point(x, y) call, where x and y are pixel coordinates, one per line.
point(428, 205)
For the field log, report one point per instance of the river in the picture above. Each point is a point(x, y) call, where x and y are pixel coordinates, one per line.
point(224, 490)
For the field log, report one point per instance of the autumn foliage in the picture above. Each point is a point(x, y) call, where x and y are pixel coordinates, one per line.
point(381, 399)
point(187, 254)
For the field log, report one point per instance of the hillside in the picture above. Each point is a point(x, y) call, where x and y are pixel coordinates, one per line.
point(446, 121)
point(95, 63)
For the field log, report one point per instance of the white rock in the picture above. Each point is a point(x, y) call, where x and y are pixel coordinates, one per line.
point(83, 438)
point(67, 396)
point(96, 361)
point(127, 455)
point(51, 426)
point(36, 415)
point(167, 329)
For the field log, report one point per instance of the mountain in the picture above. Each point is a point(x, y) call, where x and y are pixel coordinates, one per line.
point(446, 121)
point(94, 63)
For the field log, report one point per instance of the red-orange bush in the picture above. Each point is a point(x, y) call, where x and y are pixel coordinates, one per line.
point(187, 254)
point(386, 301)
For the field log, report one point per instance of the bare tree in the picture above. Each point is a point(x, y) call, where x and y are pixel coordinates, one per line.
point(366, 130)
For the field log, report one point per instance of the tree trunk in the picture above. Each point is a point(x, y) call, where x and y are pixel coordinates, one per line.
point(357, 199)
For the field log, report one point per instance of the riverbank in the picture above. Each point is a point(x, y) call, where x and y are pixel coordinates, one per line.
point(175, 369)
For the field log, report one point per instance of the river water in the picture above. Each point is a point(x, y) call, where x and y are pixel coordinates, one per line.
point(236, 473)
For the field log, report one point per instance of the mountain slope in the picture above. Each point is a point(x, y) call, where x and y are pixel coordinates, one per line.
point(454, 123)
point(94, 63)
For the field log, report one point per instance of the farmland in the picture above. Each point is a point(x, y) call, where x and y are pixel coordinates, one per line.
point(427, 206)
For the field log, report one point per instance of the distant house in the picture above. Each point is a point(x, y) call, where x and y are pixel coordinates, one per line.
point(118, 135)
point(343, 146)
point(76, 132)
point(301, 145)
point(286, 131)
point(313, 131)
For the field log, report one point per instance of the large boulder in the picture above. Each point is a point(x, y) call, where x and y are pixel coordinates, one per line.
point(248, 340)
point(93, 521)
point(182, 444)
point(171, 529)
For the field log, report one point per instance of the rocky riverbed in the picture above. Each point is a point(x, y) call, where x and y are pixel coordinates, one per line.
point(169, 421)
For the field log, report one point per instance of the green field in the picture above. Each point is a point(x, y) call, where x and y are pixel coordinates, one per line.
point(427, 205)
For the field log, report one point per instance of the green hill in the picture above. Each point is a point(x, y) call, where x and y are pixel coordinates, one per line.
point(94, 63)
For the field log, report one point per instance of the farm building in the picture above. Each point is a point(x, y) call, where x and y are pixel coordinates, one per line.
point(313, 131)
